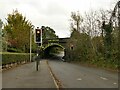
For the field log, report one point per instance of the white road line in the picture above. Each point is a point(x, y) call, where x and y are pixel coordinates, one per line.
point(53, 77)
point(114, 83)
point(103, 78)
point(54, 80)
point(79, 79)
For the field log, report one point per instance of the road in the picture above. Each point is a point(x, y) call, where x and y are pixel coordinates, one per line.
point(70, 76)
point(26, 76)
point(76, 76)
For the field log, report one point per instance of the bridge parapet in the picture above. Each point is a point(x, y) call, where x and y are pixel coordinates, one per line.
point(60, 41)
point(53, 44)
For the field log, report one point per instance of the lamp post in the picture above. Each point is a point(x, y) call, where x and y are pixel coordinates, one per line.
point(118, 32)
point(1, 36)
point(41, 37)
point(31, 41)
point(119, 12)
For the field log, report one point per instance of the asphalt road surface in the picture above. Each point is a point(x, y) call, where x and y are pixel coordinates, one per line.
point(76, 76)
point(70, 76)
point(26, 76)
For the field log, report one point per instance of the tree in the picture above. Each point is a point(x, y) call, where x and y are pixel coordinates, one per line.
point(91, 27)
point(79, 47)
point(1, 23)
point(1, 35)
point(18, 31)
point(95, 40)
point(76, 21)
point(48, 33)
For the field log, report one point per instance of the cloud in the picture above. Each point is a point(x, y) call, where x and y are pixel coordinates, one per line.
point(52, 13)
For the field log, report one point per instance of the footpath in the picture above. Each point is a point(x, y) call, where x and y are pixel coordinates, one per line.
point(26, 76)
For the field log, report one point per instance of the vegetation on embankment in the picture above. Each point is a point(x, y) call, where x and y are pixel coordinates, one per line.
point(99, 64)
point(16, 32)
point(83, 52)
point(11, 58)
point(93, 41)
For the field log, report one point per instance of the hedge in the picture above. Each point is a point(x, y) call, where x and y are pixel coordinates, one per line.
point(8, 58)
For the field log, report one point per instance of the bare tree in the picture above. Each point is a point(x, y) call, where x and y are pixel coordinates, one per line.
point(76, 21)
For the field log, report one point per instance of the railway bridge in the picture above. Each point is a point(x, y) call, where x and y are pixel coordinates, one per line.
point(49, 44)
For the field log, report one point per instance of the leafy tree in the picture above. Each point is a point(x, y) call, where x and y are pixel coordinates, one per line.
point(79, 46)
point(3, 38)
point(98, 44)
point(108, 39)
point(48, 33)
point(1, 23)
point(18, 31)
point(1, 34)
point(89, 42)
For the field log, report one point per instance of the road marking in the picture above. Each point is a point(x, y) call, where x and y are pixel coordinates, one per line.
point(115, 83)
point(52, 75)
point(103, 78)
point(79, 79)
point(56, 81)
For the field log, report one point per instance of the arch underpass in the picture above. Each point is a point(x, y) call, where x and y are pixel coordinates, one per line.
point(56, 47)
point(49, 44)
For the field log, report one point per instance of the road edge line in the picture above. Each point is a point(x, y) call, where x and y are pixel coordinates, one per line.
point(56, 81)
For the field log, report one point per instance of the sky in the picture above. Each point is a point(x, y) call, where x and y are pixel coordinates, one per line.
point(53, 13)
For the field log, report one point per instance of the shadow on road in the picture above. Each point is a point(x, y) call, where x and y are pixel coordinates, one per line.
point(56, 57)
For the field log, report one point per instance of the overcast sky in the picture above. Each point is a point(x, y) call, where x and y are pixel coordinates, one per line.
point(52, 13)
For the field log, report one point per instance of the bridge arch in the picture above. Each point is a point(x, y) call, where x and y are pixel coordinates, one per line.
point(47, 48)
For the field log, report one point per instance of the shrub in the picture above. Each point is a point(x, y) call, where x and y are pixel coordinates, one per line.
point(8, 58)
point(13, 50)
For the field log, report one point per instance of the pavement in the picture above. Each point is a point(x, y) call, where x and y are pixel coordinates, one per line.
point(0, 79)
point(26, 76)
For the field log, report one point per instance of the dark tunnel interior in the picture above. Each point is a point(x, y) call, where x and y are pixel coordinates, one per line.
point(54, 52)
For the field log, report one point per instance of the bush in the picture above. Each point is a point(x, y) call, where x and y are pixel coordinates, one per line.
point(8, 58)
point(13, 50)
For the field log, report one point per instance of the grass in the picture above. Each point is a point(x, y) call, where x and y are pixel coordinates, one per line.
point(13, 53)
point(99, 64)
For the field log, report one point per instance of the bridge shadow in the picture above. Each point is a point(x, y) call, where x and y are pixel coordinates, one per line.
point(56, 57)
point(54, 52)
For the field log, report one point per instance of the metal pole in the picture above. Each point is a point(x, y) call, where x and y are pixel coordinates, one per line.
point(30, 45)
point(41, 37)
point(31, 42)
point(0, 37)
point(118, 33)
